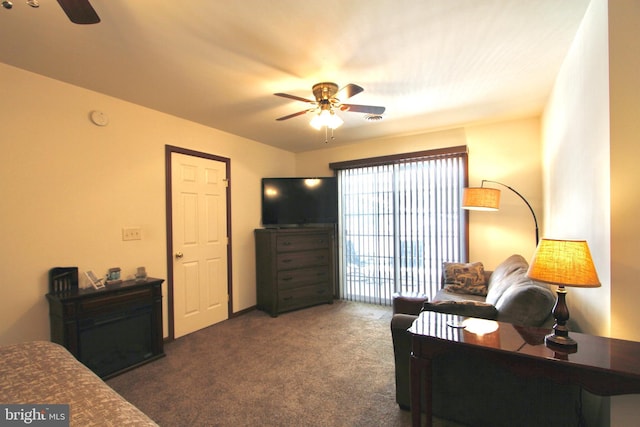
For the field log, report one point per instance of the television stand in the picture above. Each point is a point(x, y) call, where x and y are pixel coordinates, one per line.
point(295, 267)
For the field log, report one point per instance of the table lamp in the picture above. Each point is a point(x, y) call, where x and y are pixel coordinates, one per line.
point(563, 263)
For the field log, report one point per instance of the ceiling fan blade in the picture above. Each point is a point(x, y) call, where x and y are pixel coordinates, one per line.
point(296, 98)
point(348, 91)
point(368, 109)
point(79, 11)
point(290, 116)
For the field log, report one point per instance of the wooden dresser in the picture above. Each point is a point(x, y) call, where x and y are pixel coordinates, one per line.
point(295, 267)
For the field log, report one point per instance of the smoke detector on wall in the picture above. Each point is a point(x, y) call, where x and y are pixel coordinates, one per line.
point(99, 118)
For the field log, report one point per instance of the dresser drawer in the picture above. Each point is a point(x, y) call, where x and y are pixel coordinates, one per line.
point(293, 260)
point(305, 296)
point(302, 242)
point(302, 277)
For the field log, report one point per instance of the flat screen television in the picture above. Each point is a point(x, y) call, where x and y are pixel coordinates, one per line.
point(299, 201)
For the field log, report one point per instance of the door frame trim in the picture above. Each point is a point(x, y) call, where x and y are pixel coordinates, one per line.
point(169, 149)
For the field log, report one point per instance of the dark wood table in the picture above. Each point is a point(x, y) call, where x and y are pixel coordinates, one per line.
point(603, 366)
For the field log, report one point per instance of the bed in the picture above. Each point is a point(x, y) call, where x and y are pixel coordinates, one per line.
point(41, 372)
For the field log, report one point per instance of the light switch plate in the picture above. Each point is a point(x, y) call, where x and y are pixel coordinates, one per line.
point(132, 233)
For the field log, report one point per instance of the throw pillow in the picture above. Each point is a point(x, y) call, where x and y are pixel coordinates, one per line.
point(465, 278)
point(463, 308)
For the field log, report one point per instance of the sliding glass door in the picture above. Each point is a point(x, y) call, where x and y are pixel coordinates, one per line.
point(398, 222)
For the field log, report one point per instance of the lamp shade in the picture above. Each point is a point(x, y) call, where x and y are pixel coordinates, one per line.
point(481, 199)
point(326, 118)
point(564, 263)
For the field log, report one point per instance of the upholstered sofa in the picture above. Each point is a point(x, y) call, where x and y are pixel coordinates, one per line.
point(477, 393)
point(505, 295)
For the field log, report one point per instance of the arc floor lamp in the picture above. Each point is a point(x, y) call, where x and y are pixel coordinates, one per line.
point(488, 199)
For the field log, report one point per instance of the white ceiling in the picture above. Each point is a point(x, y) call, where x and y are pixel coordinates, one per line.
point(432, 63)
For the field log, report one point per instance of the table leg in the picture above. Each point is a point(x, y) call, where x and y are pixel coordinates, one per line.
point(428, 391)
point(420, 368)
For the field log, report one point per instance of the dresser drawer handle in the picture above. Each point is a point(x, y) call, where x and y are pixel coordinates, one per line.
point(286, 261)
point(286, 243)
point(287, 298)
point(286, 279)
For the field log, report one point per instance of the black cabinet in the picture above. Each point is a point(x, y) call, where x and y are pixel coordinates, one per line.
point(110, 330)
point(295, 268)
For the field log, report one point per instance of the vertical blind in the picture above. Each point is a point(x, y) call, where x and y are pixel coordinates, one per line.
point(398, 222)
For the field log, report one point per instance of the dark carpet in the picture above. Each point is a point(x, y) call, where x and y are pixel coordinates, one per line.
point(328, 365)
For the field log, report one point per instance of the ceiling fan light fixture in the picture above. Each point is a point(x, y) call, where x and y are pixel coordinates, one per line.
point(326, 105)
point(335, 121)
point(326, 118)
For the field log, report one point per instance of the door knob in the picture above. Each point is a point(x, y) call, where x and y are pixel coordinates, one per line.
point(179, 255)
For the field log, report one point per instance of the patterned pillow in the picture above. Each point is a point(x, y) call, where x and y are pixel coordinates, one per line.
point(465, 278)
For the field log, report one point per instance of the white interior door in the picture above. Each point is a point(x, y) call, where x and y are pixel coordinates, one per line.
point(199, 223)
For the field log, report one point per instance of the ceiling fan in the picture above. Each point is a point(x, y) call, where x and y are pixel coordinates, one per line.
point(79, 11)
point(327, 101)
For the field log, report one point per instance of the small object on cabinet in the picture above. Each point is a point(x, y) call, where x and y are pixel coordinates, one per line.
point(141, 274)
point(114, 273)
point(95, 282)
point(113, 276)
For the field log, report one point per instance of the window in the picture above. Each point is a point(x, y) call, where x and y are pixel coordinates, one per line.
point(400, 218)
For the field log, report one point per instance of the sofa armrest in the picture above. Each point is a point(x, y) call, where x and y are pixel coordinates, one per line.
point(402, 356)
point(463, 308)
point(408, 303)
point(402, 322)
point(527, 305)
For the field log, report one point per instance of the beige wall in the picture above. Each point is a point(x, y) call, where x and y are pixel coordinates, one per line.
point(590, 153)
point(508, 152)
point(68, 187)
point(317, 162)
point(624, 60)
point(624, 63)
point(576, 159)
